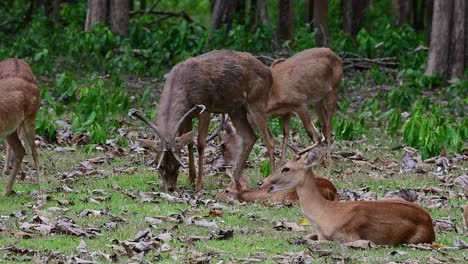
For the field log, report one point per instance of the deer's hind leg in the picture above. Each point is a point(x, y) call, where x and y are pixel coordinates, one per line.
point(18, 152)
point(29, 129)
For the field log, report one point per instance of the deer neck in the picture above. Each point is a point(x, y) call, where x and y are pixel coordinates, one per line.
point(169, 113)
point(313, 204)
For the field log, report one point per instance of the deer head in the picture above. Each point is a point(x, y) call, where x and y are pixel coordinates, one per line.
point(292, 174)
point(167, 147)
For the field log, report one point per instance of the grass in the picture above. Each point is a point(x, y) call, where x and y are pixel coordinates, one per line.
point(258, 240)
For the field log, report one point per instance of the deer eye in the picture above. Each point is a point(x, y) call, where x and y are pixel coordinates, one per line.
point(285, 170)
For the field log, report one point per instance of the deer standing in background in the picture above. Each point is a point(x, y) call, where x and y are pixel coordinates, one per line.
point(221, 81)
point(19, 68)
point(384, 222)
point(312, 76)
point(19, 104)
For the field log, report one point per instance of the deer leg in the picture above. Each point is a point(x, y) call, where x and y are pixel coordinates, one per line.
point(29, 132)
point(7, 150)
point(18, 152)
point(285, 120)
point(241, 123)
point(192, 174)
point(330, 107)
point(309, 126)
point(261, 121)
point(203, 124)
point(325, 121)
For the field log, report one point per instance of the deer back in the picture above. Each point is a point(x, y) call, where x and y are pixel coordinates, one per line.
point(19, 101)
point(222, 80)
point(306, 77)
point(16, 68)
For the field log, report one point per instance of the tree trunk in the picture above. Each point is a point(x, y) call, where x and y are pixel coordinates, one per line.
point(120, 16)
point(321, 23)
point(285, 20)
point(429, 13)
point(223, 13)
point(419, 9)
point(403, 11)
point(440, 38)
point(457, 45)
point(96, 13)
point(55, 13)
point(466, 36)
point(309, 9)
point(253, 14)
point(353, 15)
point(263, 13)
point(239, 12)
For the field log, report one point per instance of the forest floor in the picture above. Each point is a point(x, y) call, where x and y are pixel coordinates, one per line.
point(106, 206)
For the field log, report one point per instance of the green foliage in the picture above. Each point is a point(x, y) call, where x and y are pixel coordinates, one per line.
point(99, 108)
point(265, 168)
point(431, 131)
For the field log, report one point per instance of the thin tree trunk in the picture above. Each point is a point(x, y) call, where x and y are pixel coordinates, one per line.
point(120, 16)
point(263, 13)
point(321, 23)
point(96, 13)
point(353, 15)
point(419, 9)
point(55, 14)
point(457, 46)
point(309, 9)
point(440, 38)
point(403, 11)
point(285, 20)
point(253, 14)
point(223, 13)
point(429, 13)
point(239, 12)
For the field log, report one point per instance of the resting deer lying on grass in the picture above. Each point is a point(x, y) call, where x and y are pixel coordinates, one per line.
point(221, 81)
point(230, 142)
point(19, 104)
point(384, 222)
point(312, 76)
point(15, 68)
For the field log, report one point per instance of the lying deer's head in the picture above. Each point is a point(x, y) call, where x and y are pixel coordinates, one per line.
point(167, 148)
point(293, 173)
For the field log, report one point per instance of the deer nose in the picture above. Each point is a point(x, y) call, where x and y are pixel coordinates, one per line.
point(259, 183)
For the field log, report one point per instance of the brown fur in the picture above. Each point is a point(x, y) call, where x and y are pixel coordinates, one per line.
point(19, 104)
point(326, 189)
point(224, 81)
point(384, 222)
point(312, 77)
point(19, 68)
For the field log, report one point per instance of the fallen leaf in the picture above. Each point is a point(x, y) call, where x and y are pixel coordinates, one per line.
point(360, 244)
point(288, 226)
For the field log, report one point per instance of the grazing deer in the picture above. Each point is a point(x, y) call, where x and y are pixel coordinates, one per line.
point(384, 222)
point(220, 81)
point(312, 76)
point(19, 104)
point(19, 68)
point(230, 148)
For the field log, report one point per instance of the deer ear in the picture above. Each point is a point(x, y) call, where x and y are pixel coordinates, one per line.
point(154, 145)
point(183, 140)
point(315, 156)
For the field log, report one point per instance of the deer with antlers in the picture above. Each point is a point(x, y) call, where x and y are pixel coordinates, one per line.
point(220, 81)
point(18, 68)
point(384, 222)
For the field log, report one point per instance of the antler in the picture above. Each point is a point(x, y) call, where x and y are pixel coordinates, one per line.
point(182, 119)
point(135, 113)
